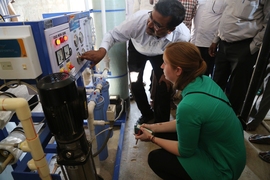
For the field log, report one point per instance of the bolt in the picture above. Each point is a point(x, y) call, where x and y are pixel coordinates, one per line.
point(68, 154)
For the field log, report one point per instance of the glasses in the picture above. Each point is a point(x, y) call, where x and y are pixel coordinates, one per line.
point(157, 26)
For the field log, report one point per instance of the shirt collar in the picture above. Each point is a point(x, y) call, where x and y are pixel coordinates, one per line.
point(169, 36)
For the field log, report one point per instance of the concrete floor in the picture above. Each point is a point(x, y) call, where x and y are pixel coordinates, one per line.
point(133, 164)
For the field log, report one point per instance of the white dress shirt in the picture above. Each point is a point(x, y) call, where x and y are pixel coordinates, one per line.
point(134, 28)
point(206, 22)
point(243, 19)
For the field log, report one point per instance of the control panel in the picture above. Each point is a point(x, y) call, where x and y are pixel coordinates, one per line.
point(67, 42)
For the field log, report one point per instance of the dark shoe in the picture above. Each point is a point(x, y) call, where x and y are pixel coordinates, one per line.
point(143, 119)
point(131, 96)
point(259, 139)
point(265, 156)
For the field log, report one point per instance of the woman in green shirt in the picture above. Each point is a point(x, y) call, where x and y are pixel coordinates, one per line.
point(209, 141)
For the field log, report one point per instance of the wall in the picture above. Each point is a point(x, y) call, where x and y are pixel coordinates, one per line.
point(31, 10)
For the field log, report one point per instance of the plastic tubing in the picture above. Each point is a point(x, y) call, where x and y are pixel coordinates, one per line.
point(20, 106)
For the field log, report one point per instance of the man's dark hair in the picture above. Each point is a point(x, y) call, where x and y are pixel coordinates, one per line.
point(172, 8)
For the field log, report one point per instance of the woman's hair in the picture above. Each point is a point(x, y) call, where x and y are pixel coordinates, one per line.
point(172, 8)
point(188, 57)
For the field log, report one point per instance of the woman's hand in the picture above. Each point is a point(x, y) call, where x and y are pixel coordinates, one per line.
point(144, 136)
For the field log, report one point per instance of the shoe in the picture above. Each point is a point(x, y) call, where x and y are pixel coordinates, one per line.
point(265, 155)
point(143, 119)
point(259, 139)
point(131, 96)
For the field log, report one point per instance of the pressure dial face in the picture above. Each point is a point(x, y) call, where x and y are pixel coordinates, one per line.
point(76, 40)
point(59, 56)
point(81, 37)
point(83, 50)
point(67, 51)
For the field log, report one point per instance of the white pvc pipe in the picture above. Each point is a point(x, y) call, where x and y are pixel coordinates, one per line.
point(103, 17)
point(20, 105)
point(106, 59)
point(89, 91)
point(90, 119)
point(87, 75)
point(91, 127)
point(105, 71)
point(103, 75)
point(86, 4)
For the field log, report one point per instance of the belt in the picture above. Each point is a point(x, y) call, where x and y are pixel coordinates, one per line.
point(235, 42)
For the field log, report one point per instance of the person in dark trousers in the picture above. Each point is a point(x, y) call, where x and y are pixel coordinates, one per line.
point(209, 139)
point(148, 33)
point(204, 27)
point(240, 33)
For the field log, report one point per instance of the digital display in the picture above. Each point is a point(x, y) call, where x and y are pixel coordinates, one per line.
point(59, 56)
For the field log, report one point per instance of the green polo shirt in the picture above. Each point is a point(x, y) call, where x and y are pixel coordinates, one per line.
point(210, 136)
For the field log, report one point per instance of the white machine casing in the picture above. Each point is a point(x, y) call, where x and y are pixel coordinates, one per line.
point(25, 66)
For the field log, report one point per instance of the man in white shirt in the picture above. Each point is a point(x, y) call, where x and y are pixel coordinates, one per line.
point(240, 33)
point(204, 28)
point(148, 34)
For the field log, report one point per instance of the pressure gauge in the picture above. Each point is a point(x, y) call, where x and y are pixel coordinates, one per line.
point(67, 51)
point(83, 50)
point(76, 39)
point(81, 37)
point(59, 56)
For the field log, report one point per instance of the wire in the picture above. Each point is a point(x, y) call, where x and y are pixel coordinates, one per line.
point(14, 84)
point(40, 121)
point(8, 94)
point(104, 130)
point(30, 105)
point(9, 84)
point(105, 141)
point(122, 109)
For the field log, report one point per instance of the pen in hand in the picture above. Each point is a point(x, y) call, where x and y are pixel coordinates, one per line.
point(139, 133)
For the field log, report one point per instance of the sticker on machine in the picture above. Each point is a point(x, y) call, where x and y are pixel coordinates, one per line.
point(12, 48)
